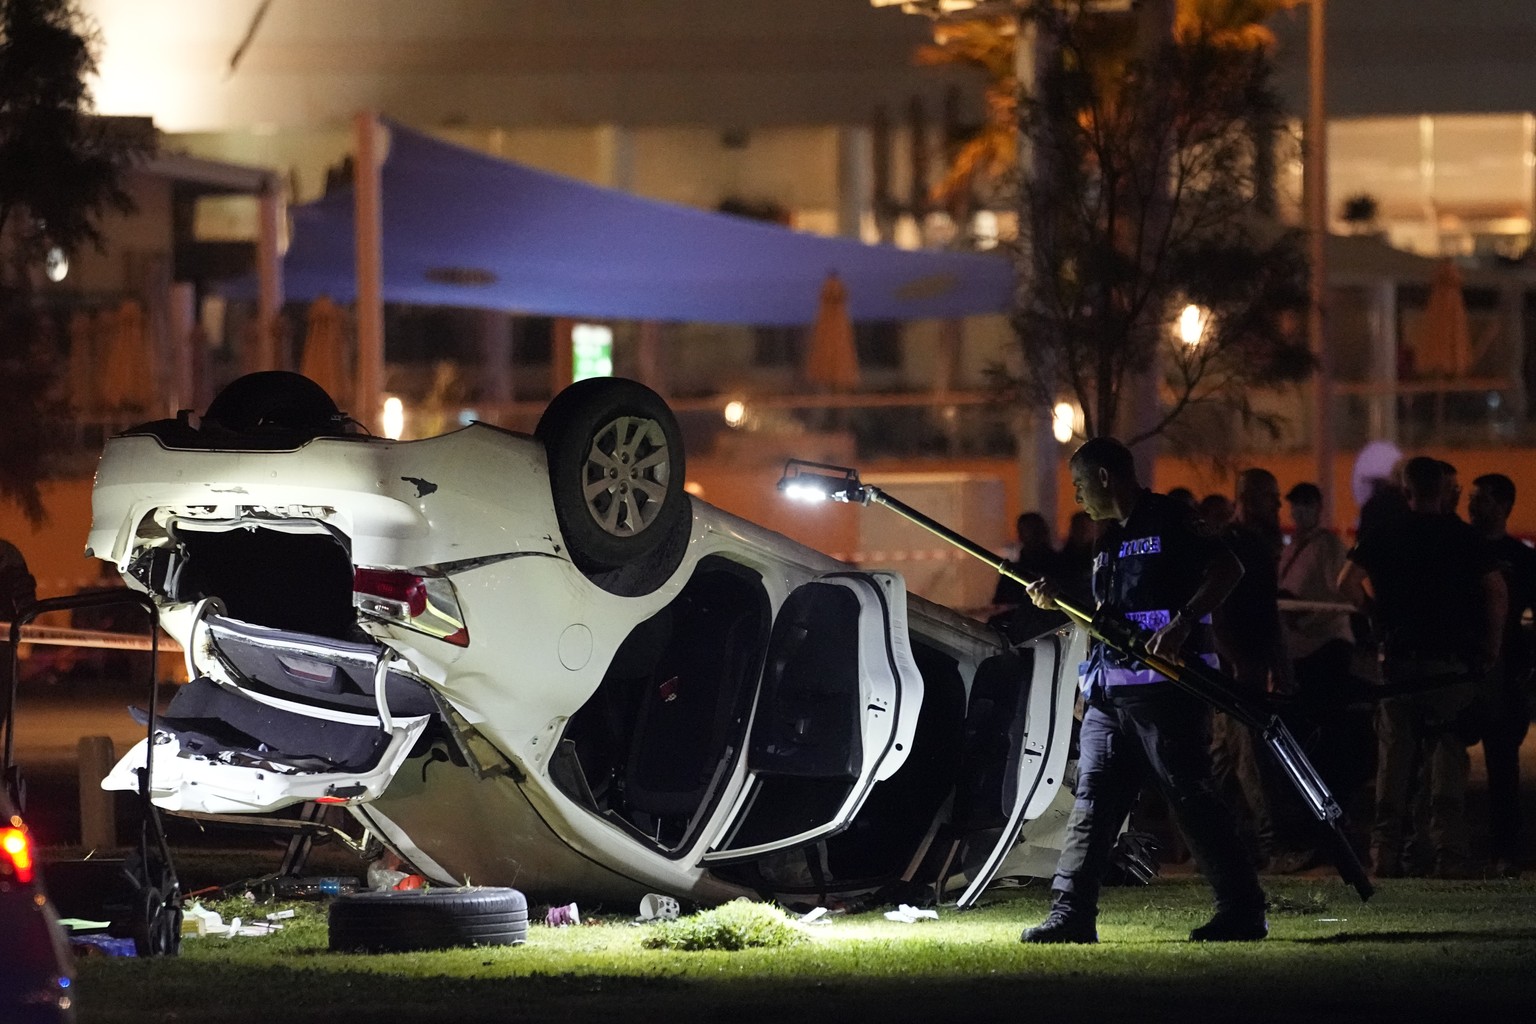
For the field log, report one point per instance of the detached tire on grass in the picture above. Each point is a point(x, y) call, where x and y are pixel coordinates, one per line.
point(421, 919)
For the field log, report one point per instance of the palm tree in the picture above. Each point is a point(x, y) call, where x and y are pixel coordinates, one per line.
point(987, 44)
point(992, 150)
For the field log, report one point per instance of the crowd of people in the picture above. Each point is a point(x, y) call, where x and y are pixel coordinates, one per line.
point(1391, 657)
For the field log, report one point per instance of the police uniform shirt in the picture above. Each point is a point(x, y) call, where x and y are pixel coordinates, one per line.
point(1145, 569)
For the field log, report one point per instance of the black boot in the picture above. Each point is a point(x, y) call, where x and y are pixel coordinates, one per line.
point(1065, 923)
point(1232, 926)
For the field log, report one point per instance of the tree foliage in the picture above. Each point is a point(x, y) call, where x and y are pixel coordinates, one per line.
point(991, 154)
point(60, 173)
point(1147, 191)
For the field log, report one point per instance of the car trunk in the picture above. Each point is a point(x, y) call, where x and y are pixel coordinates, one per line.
point(294, 576)
point(287, 689)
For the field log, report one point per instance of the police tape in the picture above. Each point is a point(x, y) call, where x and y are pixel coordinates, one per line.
point(63, 636)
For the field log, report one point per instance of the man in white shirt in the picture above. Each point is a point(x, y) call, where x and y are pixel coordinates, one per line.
point(1321, 646)
point(1319, 643)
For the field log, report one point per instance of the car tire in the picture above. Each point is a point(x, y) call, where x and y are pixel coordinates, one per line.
point(274, 401)
point(608, 429)
point(421, 919)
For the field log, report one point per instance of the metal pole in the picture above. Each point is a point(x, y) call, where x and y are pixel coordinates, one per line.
point(368, 216)
point(269, 278)
point(1038, 453)
point(1317, 226)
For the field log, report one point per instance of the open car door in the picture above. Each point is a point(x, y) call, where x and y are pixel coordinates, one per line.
point(835, 714)
point(1020, 727)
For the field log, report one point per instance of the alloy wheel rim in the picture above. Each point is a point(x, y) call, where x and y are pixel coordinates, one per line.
point(624, 480)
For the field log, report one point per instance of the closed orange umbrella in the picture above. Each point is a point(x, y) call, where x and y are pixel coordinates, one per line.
point(831, 356)
point(1445, 340)
point(325, 350)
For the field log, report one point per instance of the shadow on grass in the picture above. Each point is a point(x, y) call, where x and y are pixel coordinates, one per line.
point(260, 995)
point(1418, 938)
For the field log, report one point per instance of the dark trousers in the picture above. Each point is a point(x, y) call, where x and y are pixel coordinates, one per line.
point(1239, 768)
point(1334, 723)
point(1501, 755)
point(1505, 720)
point(1159, 730)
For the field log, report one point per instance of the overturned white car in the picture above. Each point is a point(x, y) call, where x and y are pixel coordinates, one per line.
point(538, 662)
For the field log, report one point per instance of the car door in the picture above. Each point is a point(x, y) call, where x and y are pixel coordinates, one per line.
point(1033, 690)
point(835, 714)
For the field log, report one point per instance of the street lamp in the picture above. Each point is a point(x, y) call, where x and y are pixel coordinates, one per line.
point(392, 420)
point(1191, 326)
point(56, 265)
point(1064, 421)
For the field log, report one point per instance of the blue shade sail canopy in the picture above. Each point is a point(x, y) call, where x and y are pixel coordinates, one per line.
point(465, 229)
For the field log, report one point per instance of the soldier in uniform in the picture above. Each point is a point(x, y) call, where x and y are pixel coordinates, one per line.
point(1157, 564)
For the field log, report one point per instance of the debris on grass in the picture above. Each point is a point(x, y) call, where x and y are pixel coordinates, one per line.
point(198, 920)
point(656, 907)
point(740, 924)
point(560, 917)
point(1312, 901)
point(907, 914)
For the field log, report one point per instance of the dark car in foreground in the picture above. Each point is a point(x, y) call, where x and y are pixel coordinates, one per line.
point(37, 969)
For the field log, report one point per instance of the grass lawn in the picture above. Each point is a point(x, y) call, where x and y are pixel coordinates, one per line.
point(1418, 951)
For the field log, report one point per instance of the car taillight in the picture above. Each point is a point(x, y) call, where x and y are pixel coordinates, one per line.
point(413, 598)
point(16, 850)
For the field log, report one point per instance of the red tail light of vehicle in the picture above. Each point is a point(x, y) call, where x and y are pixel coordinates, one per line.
point(16, 850)
point(414, 598)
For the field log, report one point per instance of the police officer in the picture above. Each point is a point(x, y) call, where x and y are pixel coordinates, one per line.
point(1158, 565)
